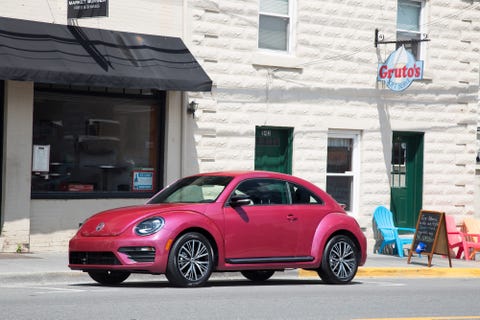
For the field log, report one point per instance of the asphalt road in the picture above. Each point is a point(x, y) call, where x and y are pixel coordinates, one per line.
point(367, 298)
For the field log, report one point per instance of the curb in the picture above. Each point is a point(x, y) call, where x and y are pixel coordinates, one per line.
point(371, 272)
point(363, 272)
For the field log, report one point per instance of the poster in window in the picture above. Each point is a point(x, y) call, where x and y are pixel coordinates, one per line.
point(142, 180)
point(41, 158)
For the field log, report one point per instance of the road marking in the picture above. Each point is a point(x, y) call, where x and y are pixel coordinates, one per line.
point(426, 318)
point(384, 283)
point(50, 290)
point(45, 290)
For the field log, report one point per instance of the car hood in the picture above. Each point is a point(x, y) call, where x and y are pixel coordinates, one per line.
point(115, 221)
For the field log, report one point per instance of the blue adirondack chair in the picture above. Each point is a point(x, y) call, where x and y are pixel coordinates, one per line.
point(384, 221)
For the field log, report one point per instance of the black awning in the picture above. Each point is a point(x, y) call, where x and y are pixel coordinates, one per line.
point(71, 55)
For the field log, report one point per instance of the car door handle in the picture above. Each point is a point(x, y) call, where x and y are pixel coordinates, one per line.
point(291, 217)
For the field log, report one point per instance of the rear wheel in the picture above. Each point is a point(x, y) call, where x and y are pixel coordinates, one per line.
point(258, 275)
point(109, 277)
point(339, 262)
point(190, 262)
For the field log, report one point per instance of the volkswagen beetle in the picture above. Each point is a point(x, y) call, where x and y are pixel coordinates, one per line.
point(253, 222)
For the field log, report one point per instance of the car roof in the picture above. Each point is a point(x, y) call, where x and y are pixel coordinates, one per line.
point(246, 174)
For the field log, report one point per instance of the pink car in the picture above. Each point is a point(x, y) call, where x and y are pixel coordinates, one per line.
point(254, 222)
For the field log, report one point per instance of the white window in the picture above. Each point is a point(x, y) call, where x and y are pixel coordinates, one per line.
point(275, 25)
point(410, 21)
point(343, 164)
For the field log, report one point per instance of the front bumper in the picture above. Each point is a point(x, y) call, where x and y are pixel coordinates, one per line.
point(136, 255)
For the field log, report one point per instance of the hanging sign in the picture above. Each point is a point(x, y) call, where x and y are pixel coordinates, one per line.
point(400, 70)
point(87, 8)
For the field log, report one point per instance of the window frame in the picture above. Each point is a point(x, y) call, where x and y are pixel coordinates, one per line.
point(290, 32)
point(420, 34)
point(159, 96)
point(355, 172)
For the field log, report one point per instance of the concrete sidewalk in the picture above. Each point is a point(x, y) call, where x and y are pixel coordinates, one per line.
point(52, 267)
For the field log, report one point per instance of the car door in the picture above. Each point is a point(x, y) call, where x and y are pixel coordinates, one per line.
point(264, 229)
point(309, 209)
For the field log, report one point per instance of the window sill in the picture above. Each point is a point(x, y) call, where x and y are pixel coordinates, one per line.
point(277, 60)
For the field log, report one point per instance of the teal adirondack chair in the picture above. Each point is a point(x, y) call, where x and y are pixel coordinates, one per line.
point(383, 218)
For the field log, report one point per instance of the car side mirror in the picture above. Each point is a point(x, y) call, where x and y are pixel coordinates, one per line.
point(240, 200)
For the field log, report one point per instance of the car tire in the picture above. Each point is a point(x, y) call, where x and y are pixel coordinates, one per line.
point(108, 277)
point(258, 275)
point(190, 262)
point(339, 261)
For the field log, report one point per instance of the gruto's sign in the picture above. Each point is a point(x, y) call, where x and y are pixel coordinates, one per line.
point(400, 69)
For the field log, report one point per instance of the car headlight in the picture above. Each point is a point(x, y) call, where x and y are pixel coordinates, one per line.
point(149, 226)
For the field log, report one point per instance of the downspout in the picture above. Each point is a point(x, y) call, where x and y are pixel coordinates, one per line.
point(184, 99)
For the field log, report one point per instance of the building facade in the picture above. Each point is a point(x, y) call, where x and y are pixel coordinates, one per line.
point(305, 74)
point(295, 89)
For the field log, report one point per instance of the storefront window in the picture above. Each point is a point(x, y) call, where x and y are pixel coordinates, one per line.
point(95, 144)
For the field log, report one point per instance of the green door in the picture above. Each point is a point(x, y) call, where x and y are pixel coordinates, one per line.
point(273, 149)
point(406, 177)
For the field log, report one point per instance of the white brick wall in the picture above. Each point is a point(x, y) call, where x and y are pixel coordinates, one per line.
point(333, 86)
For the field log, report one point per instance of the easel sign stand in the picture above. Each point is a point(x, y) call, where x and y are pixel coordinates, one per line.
point(430, 236)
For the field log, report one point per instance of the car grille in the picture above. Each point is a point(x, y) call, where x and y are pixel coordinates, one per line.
point(98, 258)
point(139, 254)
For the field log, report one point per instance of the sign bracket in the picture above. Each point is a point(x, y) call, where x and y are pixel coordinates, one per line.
point(379, 39)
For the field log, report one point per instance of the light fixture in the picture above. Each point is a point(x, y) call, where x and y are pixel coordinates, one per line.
point(192, 107)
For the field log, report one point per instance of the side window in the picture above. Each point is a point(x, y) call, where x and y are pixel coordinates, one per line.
point(409, 25)
point(264, 191)
point(300, 195)
point(275, 25)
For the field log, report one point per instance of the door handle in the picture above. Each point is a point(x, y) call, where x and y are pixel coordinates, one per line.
point(291, 217)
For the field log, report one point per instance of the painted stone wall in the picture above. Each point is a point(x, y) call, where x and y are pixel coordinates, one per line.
point(329, 82)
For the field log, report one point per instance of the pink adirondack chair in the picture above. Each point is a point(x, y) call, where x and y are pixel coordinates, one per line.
point(471, 237)
point(455, 239)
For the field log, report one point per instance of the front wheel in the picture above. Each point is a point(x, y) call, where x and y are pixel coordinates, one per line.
point(258, 275)
point(190, 262)
point(109, 277)
point(339, 262)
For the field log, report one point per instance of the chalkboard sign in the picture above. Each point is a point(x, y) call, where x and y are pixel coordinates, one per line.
point(430, 236)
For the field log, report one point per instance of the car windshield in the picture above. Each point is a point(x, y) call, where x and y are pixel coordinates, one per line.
point(194, 189)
